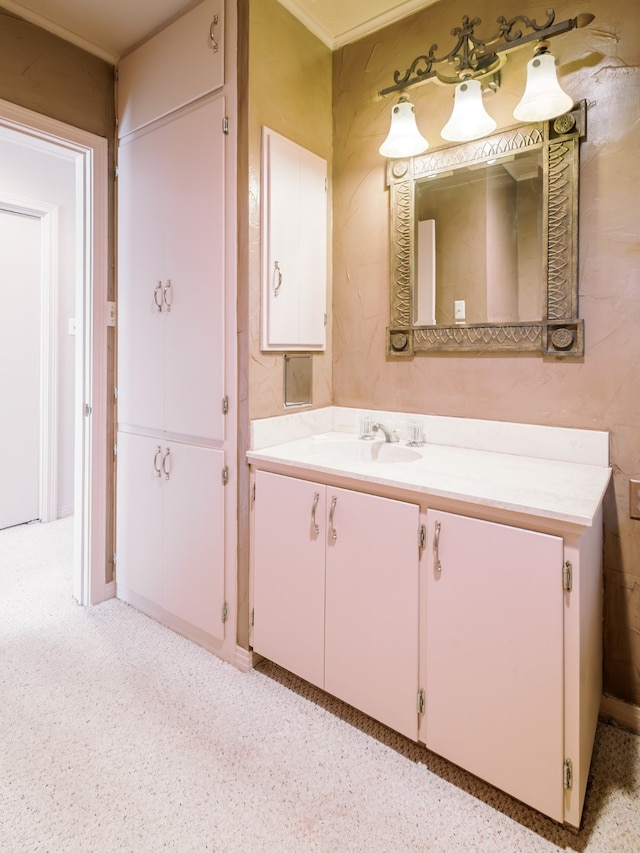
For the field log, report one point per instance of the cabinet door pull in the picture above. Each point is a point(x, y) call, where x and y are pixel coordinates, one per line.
point(333, 533)
point(157, 295)
point(316, 498)
point(436, 545)
point(212, 34)
point(166, 293)
point(156, 461)
point(166, 464)
point(277, 278)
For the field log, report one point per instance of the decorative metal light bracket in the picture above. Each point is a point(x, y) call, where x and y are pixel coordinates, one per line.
point(472, 56)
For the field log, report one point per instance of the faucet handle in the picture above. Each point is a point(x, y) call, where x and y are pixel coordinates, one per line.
point(415, 435)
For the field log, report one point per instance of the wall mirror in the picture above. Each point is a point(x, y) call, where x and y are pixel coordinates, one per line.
point(484, 244)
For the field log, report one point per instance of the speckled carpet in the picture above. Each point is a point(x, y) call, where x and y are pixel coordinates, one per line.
point(118, 735)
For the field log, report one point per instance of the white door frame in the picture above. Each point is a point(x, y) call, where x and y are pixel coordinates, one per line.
point(49, 288)
point(90, 499)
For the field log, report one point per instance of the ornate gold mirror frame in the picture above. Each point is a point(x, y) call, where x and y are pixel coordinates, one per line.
point(559, 332)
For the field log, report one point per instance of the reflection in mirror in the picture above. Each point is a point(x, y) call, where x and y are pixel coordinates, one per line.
point(479, 243)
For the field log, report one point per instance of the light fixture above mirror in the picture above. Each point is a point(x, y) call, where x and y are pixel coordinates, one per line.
point(471, 63)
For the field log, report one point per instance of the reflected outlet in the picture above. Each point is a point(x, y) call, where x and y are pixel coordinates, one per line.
point(634, 498)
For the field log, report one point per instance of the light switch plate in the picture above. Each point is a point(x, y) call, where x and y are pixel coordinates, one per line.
point(634, 498)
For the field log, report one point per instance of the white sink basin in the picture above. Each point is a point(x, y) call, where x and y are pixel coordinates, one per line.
point(391, 453)
point(352, 449)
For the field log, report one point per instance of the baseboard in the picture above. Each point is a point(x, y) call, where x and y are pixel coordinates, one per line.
point(621, 713)
point(245, 660)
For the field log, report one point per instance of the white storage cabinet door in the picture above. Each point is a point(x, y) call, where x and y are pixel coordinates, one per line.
point(171, 276)
point(495, 653)
point(294, 249)
point(288, 574)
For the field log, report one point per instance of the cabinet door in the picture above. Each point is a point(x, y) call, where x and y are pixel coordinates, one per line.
point(494, 647)
point(288, 574)
point(139, 517)
point(171, 276)
point(371, 640)
point(140, 270)
point(181, 63)
point(294, 245)
point(193, 543)
point(194, 239)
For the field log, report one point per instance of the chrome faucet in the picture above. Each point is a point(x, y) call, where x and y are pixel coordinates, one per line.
point(389, 435)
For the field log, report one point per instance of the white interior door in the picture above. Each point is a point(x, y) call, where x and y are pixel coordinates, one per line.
point(20, 262)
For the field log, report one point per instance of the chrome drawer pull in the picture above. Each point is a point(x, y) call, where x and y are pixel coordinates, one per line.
point(333, 533)
point(436, 545)
point(166, 464)
point(316, 498)
point(212, 35)
point(277, 278)
point(166, 292)
point(157, 295)
point(156, 461)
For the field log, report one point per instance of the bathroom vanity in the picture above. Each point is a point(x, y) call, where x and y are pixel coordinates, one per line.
point(452, 591)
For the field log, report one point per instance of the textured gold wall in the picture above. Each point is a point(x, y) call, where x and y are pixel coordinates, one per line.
point(601, 391)
point(290, 92)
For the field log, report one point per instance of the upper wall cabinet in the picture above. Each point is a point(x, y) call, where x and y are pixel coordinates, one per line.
point(174, 68)
point(294, 245)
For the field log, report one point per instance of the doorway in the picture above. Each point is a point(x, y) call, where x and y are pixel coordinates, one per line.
point(89, 155)
point(20, 252)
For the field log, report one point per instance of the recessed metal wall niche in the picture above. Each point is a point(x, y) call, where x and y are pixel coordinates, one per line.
point(297, 380)
point(554, 329)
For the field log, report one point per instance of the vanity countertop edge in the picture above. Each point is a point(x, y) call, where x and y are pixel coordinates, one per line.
point(566, 492)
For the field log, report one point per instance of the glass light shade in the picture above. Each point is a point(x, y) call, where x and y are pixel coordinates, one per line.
point(543, 96)
point(469, 119)
point(404, 138)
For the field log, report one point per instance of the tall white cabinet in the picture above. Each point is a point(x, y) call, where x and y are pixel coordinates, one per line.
point(172, 444)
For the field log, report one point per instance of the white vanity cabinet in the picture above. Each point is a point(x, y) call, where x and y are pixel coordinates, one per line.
point(494, 655)
point(335, 592)
point(294, 245)
point(481, 568)
point(170, 532)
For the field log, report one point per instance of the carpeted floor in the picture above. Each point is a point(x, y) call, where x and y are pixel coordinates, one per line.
point(118, 735)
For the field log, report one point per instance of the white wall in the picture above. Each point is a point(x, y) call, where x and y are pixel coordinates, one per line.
point(41, 174)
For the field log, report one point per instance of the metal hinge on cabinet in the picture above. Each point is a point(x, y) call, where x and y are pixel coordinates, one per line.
point(225, 475)
point(253, 617)
point(115, 559)
point(224, 612)
point(567, 774)
point(421, 701)
point(88, 410)
point(225, 124)
point(253, 493)
point(567, 576)
point(225, 405)
point(422, 537)
point(115, 449)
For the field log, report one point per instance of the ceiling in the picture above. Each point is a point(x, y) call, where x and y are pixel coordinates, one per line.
point(109, 28)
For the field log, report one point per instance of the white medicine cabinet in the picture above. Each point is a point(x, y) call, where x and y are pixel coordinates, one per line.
point(294, 245)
